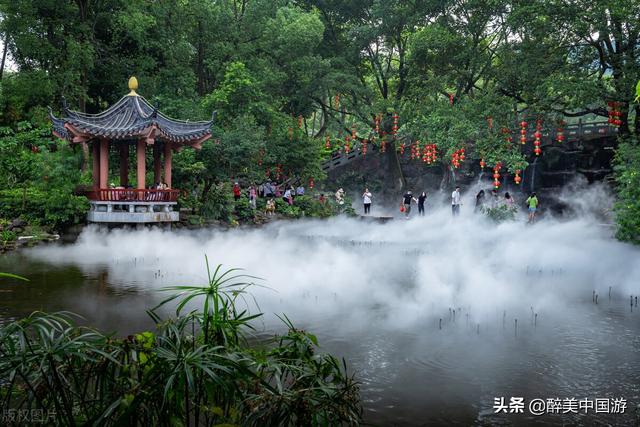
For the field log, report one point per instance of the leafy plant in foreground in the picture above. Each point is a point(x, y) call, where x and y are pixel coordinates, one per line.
point(196, 369)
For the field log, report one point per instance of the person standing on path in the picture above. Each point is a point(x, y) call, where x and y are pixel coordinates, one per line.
point(236, 191)
point(253, 194)
point(455, 201)
point(479, 202)
point(366, 201)
point(421, 199)
point(532, 204)
point(508, 200)
point(406, 201)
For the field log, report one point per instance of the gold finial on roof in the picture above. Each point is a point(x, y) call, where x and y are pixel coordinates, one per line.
point(133, 86)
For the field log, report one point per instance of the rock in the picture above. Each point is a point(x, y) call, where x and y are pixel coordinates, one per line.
point(17, 224)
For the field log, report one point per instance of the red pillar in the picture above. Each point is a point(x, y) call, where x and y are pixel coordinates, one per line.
point(167, 163)
point(124, 164)
point(141, 162)
point(104, 163)
point(157, 166)
point(96, 164)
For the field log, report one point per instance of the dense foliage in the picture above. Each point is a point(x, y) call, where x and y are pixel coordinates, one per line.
point(628, 183)
point(196, 369)
point(38, 178)
point(288, 77)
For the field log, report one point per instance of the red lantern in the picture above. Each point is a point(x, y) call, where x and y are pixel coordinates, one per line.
point(383, 146)
point(402, 149)
point(347, 146)
point(327, 142)
point(311, 183)
point(353, 132)
point(336, 101)
point(394, 129)
point(523, 132)
point(517, 178)
point(482, 163)
point(490, 122)
point(364, 147)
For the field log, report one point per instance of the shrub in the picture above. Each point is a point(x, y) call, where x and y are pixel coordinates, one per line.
point(501, 213)
point(53, 208)
point(243, 210)
point(627, 175)
point(287, 210)
point(218, 203)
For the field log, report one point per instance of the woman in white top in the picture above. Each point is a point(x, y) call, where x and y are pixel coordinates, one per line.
point(366, 200)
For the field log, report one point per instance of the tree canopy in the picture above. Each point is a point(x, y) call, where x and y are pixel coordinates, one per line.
point(285, 76)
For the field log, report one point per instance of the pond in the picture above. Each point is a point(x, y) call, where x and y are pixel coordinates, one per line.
point(436, 316)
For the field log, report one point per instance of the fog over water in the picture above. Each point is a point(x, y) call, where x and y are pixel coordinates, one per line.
point(424, 309)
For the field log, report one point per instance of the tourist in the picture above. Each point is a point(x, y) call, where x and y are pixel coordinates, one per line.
point(455, 201)
point(288, 197)
point(340, 196)
point(300, 190)
point(271, 207)
point(236, 191)
point(479, 202)
point(508, 200)
point(268, 189)
point(366, 201)
point(421, 199)
point(406, 201)
point(532, 204)
point(252, 196)
point(495, 198)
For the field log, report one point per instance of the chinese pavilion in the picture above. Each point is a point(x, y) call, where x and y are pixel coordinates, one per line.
point(131, 124)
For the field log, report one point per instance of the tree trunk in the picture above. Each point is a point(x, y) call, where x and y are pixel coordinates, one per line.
point(4, 54)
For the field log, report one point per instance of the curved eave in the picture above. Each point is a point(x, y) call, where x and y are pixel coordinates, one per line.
point(132, 117)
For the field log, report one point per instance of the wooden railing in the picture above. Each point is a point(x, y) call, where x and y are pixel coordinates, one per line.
point(132, 195)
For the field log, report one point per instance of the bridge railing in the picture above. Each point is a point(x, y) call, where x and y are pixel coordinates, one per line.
point(573, 132)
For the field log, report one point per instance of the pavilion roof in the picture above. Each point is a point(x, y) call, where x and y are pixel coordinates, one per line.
point(132, 117)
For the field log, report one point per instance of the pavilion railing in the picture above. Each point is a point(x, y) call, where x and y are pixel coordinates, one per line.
point(132, 195)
